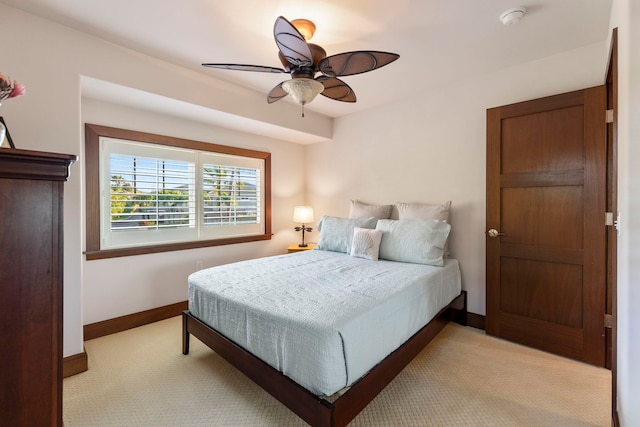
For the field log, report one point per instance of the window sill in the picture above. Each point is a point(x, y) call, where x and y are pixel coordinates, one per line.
point(152, 249)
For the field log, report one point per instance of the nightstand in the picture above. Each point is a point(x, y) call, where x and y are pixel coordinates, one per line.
point(295, 248)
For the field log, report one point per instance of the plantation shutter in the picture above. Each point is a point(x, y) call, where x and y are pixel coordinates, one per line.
point(152, 194)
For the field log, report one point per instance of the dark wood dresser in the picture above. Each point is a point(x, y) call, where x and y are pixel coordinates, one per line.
point(31, 185)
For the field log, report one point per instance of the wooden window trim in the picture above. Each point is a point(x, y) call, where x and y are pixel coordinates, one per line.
point(92, 182)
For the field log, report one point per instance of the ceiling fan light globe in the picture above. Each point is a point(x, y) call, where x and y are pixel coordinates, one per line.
point(302, 90)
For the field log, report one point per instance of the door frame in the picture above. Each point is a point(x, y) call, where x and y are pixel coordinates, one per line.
point(611, 82)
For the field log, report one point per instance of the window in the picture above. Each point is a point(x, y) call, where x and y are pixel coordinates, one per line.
point(150, 193)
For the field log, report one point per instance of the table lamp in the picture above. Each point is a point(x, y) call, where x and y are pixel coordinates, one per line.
point(303, 215)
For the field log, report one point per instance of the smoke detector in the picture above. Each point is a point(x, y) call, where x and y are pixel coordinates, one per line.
point(512, 16)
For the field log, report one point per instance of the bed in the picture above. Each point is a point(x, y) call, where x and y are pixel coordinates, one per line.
point(324, 331)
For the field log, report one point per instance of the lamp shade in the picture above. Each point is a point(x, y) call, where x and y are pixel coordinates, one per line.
point(302, 90)
point(303, 214)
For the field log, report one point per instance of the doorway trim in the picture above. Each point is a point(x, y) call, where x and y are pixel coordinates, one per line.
point(611, 82)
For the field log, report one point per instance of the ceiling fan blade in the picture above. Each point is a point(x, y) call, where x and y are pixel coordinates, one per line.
point(291, 43)
point(349, 63)
point(336, 89)
point(243, 67)
point(276, 94)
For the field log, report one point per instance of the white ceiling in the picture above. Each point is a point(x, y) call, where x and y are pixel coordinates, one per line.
point(439, 41)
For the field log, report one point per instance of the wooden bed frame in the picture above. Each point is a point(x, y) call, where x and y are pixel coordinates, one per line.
point(313, 409)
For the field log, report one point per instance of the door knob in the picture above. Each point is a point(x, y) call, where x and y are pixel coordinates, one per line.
point(494, 233)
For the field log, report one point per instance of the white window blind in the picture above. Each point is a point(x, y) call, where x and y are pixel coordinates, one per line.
point(231, 195)
point(151, 194)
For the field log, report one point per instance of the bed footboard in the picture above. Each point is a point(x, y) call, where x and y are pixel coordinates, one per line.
point(311, 408)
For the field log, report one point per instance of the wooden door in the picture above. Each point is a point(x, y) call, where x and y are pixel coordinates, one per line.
point(546, 196)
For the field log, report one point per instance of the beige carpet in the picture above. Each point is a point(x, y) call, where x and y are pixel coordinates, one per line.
point(463, 378)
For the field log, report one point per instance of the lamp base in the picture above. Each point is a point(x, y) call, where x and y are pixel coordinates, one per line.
point(303, 229)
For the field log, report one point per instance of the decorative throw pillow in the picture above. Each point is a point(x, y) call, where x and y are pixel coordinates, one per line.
point(337, 233)
point(366, 243)
point(363, 210)
point(417, 241)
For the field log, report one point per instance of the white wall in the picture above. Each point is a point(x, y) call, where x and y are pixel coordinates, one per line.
point(626, 17)
point(431, 148)
point(51, 60)
point(119, 286)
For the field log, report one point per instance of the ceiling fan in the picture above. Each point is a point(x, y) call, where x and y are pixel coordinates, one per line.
point(304, 60)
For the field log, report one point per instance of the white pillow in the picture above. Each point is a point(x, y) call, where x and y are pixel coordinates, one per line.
point(366, 243)
point(363, 210)
point(337, 233)
point(418, 241)
point(425, 211)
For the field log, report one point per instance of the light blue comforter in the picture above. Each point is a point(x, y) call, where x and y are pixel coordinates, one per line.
point(322, 318)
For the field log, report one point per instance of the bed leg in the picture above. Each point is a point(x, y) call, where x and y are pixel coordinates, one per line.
point(185, 333)
point(460, 309)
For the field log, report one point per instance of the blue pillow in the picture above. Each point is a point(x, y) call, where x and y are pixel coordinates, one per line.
point(418, 241)
point(337, 233)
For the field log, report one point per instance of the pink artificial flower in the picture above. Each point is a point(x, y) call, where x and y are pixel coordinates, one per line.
point(9, 89)
point(18, 89)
